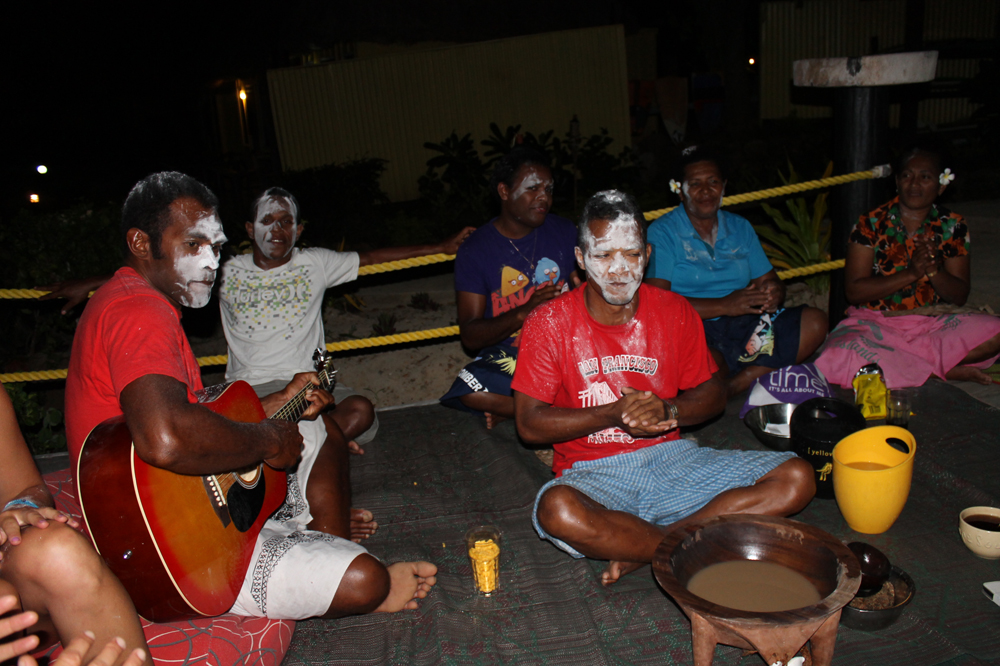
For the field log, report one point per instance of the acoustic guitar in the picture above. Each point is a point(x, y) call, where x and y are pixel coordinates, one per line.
point(180, 544)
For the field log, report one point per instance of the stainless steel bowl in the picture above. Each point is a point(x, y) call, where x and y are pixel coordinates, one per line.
point(758, 418)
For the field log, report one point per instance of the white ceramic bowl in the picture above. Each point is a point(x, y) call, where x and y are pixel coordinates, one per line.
point(984, 543)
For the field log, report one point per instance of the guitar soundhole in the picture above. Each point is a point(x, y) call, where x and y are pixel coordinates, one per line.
point(245, 504)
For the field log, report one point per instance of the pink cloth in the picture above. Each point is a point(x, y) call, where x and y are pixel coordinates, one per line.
point(909, 348)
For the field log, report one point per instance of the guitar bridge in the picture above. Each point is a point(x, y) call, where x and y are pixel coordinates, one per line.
point(217, 496)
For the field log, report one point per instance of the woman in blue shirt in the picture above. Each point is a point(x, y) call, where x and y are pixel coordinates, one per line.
point(714, 259)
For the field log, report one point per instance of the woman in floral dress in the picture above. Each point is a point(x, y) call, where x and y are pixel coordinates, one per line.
point(907, 276)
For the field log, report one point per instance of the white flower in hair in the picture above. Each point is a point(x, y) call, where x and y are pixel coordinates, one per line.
point(946, 177)
point(675, 187)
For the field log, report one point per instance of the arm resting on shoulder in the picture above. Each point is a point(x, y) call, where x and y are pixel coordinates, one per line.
point(75, 291)
point(187, 438)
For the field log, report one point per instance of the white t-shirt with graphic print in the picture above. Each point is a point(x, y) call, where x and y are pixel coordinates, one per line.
point(273, 319)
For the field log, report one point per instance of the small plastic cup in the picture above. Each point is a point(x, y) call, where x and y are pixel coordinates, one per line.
point(898, 404)
point(483, 545)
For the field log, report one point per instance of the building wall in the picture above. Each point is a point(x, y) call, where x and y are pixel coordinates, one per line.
point(387, 106)
point(836, 28)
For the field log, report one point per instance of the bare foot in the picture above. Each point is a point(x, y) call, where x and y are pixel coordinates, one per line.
point(355, 448)
point(409, 581)
point(363, 525)
point(966, 373)
point(493, 420)
point(616, 570)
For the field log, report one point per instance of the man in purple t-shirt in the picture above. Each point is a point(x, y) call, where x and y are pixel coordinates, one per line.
point(504, 270)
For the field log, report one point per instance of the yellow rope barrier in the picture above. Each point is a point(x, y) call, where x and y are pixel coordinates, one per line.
point(222, 359)
point(21, 293)
point(877, 172)
point(34, 376)
point(809, 270)
point(404, 263)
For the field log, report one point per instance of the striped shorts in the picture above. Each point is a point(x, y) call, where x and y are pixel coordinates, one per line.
point(662, 483)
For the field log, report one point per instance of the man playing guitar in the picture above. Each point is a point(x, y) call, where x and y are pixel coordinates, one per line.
point(130, 356)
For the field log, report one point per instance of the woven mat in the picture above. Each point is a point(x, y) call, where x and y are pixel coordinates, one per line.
point(432, 473)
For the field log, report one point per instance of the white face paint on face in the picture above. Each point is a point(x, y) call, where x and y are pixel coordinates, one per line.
point(615, 258)
point(196, 262)
point(274, 229)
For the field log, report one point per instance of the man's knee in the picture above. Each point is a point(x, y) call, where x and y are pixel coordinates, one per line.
point(360, 408)
point(364, 586)
point(814, 326)
point(559, 512)
point(797, 480)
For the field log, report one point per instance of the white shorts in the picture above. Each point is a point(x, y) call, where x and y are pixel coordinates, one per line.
point(295, 572)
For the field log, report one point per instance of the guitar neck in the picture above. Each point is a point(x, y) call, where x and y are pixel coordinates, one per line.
point(296, 407)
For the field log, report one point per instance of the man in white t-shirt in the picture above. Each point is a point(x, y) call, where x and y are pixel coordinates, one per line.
point(272, 315)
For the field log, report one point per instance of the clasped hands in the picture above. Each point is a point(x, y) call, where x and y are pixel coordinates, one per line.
point(926, 258)
point(642, 414)
point(755, 300)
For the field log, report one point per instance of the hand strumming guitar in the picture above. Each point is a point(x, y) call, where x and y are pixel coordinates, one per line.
point(284, 438)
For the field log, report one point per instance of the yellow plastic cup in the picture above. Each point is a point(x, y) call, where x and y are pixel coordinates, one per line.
point(871, 478)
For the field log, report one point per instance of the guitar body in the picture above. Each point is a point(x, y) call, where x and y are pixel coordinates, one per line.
point(180, 545)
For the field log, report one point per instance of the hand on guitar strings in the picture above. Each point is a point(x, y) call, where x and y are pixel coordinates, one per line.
point(318, 399)
point(12, 520)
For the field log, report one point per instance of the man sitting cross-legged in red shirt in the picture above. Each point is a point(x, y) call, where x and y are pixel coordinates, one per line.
point(606, 373)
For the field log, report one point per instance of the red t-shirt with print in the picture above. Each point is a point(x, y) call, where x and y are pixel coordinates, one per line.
point(568, 359)
point(128, 330)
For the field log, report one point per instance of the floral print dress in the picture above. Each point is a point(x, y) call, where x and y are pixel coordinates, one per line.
point(882, 230)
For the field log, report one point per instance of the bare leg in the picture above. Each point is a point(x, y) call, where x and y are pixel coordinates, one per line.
point(57, 574)
point(368, 586)
point(628, 542)
point(964, 372)
point(328, 491)
point(812, 333)
point(498, 408)
point(354, 415)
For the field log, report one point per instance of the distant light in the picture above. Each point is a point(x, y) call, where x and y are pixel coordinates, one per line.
point(752, 61)
point(42, 169)
point(33, 198)
point(243, 94)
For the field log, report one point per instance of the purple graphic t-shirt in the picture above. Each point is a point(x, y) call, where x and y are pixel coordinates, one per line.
point(507, 271)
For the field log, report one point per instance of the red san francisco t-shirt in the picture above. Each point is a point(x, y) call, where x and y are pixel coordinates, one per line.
point(569, 360)
point(127, 330)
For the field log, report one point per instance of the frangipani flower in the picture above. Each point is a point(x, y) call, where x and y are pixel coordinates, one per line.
point(946, 177)
point(675, 187)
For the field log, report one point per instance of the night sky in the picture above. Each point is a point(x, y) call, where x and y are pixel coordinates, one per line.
point(105, 96)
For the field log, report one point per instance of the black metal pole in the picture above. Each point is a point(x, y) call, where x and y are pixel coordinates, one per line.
point(860, 125)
